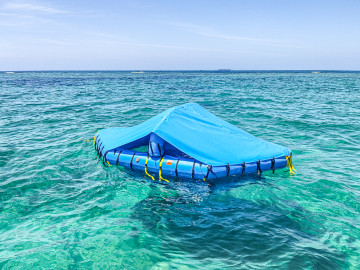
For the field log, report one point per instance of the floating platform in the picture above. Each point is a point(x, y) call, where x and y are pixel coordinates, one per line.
point(188, 141)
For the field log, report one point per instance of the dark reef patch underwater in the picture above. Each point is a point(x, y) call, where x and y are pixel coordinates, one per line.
point(61, 209)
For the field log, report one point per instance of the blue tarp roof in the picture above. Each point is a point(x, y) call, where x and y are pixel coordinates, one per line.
point(198, 133)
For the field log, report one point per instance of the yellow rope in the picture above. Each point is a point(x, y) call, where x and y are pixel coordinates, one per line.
point(146, 169)
point(94, 137)
point(292, 166)
point(160, 177)
point(289, 164)
point(93, 140)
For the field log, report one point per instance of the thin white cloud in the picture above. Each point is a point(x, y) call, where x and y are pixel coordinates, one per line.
point(208, 32)
point(231, 37)
point(26, 15)
point(164, 46)
point(104, 43)
point(262, 41)
point(31, 7)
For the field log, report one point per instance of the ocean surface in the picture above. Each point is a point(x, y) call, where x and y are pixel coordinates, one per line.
point(60, 209)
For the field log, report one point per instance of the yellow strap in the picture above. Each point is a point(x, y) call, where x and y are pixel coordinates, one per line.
point(146, 169)
point(94, 138)
point(160, 177)
point(292, 166)
point(289, 164)
point(108, 163)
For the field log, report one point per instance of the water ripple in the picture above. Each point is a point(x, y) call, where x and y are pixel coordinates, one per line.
point(59, 209)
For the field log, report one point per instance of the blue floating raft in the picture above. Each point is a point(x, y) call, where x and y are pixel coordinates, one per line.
point(188, 141)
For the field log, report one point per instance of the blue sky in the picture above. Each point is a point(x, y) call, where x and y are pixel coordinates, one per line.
point(161, 35)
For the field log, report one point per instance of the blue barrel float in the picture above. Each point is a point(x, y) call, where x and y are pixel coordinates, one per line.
point(188, 141)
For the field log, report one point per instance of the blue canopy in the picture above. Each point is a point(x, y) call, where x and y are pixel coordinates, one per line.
point(196, 132)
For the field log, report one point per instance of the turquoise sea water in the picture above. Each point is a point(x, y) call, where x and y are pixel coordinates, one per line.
point(59, 209)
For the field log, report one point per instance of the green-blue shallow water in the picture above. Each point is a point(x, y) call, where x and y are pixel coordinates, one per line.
point(59, 209)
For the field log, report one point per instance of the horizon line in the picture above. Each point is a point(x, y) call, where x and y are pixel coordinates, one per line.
point(151, 70)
